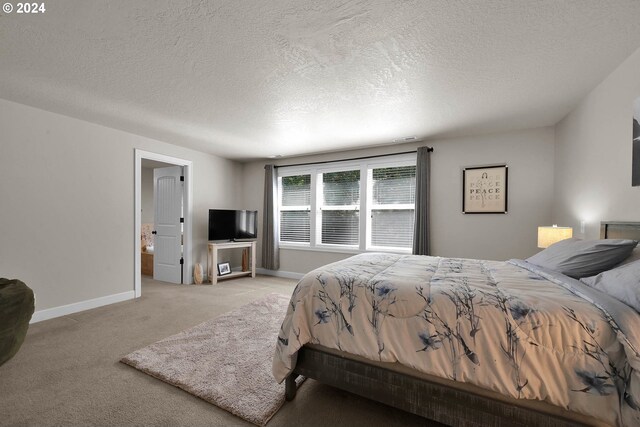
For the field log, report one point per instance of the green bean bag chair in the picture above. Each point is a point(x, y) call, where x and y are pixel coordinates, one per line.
point(16, 308)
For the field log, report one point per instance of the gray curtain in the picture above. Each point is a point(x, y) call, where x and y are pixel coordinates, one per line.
point(270, 248)
point(421, 226)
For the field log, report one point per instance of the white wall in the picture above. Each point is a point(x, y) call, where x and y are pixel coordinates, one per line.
point(146, 195)
point(67, 203)
point(530, 157)
point(593, 155)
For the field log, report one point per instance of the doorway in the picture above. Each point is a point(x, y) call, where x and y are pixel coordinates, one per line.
point(145, 161)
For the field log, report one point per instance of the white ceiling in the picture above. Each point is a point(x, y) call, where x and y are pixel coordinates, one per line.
point(248, 79)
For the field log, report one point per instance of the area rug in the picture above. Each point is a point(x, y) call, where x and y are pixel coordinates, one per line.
point(225, 361)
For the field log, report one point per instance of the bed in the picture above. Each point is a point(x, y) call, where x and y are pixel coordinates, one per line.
point(467, 342)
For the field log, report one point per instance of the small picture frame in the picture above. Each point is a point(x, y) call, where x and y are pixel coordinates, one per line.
point(224, 268)
point(484, 190)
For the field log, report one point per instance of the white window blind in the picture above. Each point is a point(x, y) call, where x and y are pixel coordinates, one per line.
point(392, 206)
point(295, 202)
point(340, 208)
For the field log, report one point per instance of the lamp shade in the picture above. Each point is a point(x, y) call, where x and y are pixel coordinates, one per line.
point(547, 236)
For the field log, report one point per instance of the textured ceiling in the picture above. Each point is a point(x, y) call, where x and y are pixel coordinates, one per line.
point(248, 79)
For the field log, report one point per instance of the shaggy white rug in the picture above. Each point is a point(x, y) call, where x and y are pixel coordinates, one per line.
point(225, 361)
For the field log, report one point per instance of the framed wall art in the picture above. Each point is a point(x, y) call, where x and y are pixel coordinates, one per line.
point(484, 190)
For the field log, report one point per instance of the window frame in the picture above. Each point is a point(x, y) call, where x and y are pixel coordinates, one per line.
point(371, 207)
point(366, 167)
point(343, 167)
point(295, 172)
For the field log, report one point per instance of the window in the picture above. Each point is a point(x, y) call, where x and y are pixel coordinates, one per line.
point(340, 208)
point(393, 202)
point(295, 206)
point(352, 206)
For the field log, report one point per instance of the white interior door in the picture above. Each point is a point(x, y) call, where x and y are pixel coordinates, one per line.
point(167, 201)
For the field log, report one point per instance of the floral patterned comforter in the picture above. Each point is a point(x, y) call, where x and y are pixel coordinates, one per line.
point(509, 327)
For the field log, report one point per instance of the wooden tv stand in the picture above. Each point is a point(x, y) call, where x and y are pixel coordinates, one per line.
point(212, 260)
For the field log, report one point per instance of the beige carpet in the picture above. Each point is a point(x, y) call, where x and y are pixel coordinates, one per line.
point(68, 373)
point(225, 361)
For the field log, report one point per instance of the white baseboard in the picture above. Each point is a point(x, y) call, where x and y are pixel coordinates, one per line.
point(280, 273)
point(63, 310)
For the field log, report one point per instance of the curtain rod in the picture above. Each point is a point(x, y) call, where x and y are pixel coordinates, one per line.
point(429, 149)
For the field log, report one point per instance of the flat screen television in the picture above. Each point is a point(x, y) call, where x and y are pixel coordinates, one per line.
point(226, 224)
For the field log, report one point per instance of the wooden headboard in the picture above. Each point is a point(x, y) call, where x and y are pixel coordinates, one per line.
point(620, 230)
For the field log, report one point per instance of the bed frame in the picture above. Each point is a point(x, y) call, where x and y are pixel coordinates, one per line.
point(620, 230)
point(434, 398)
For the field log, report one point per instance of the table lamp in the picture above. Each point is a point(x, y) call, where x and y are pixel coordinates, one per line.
point(547, 236)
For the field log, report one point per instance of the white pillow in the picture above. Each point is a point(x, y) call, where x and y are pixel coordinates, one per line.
point(622, 283)
point(635, 255)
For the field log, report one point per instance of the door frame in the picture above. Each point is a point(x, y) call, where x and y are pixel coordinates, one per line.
point(188, 211)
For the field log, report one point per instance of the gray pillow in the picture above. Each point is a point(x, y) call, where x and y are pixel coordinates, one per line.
point(582, 258)
point(622, 283)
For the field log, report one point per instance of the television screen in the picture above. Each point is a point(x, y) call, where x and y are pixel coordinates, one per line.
point(226, 224)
